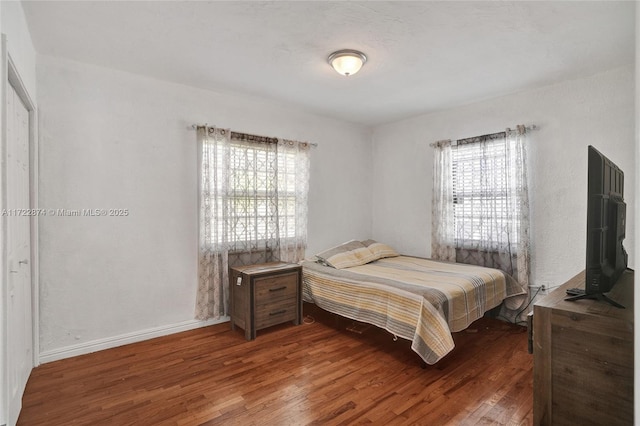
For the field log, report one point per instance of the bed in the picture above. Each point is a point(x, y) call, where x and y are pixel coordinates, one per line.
point(418, 299)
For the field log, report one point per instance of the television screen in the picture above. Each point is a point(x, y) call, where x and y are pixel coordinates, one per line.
point(606, 257)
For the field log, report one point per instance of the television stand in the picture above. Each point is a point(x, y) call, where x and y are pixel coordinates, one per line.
point(596, 296)
point(583, 357)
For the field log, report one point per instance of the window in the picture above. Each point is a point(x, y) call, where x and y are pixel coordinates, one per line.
point(258, 194)
point(253, 208)
point(261, 198)
point(482, 181)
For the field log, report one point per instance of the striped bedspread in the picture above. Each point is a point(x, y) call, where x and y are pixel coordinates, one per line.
point(418, 299)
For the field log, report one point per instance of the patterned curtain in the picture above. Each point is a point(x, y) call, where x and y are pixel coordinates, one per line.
point(213, 279)
point(514, 308)
point(520, 197)
point(293, 182)
point(481, 206)
point(491, 206)
point(252, 200)
point(253, 208)
point(442, 230)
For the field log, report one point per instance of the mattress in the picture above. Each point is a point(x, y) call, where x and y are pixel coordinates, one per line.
point(418, 299)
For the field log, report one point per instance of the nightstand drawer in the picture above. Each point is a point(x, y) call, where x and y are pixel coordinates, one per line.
point(275, 313)
point(279, 287)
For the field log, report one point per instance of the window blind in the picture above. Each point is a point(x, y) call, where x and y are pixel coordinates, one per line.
point(482, 186)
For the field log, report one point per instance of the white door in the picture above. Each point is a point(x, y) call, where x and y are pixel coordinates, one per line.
point(19, 309)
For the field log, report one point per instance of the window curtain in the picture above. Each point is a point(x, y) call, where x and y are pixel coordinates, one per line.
point(515, 151)
point(251, 213)
point(253, 208)
point(294, 167)
point(520, 199)
point(481, 214)
point(442, 229)
point(214, 147)
point(492, 225)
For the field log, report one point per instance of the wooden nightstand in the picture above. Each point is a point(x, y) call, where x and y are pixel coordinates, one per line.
point(264, 295)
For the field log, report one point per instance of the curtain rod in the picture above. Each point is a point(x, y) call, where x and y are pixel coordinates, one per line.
point(198, 126)
point(473, 139)
point(527, 128)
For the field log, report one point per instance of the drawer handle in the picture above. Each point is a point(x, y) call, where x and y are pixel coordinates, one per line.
point(278, 288)
point(277, 312)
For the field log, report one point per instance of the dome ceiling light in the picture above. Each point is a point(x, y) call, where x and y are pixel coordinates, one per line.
point(347, 61)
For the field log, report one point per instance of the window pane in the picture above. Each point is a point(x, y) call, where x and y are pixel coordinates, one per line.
point(257, 177)
point(481, 192)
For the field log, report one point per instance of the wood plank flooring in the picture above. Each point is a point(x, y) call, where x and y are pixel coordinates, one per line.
point(318, 373)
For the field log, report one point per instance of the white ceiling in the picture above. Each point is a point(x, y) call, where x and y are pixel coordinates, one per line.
point(423, 56)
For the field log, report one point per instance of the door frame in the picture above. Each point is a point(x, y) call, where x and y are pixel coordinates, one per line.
point(13, 77)
point(10, 75)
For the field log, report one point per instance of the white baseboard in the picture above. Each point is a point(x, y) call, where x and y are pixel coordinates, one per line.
point(124, 339)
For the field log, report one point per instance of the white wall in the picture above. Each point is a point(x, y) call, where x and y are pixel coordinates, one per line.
point(110, 139)
point(598, 110)
point(19, 44)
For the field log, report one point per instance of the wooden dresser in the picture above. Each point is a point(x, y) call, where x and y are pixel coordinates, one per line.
point(264, 295)
point(583, 357)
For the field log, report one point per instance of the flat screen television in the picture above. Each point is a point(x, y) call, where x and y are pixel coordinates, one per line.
point(606, 219)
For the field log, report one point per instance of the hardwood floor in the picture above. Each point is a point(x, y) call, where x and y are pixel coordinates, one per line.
point(317, 373)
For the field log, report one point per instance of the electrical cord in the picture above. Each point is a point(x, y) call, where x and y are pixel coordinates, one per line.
point(515, 320)
point(530, 301)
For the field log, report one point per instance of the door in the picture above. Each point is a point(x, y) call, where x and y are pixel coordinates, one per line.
point(19, 308)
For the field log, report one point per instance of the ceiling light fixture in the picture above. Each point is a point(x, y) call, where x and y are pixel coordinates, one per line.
point(347, 61)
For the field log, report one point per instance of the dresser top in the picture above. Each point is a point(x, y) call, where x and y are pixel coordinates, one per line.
point(622, 292)
point(266, 267)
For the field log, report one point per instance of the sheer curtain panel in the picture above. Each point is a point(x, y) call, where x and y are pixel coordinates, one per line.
point(213, 264)
point(491, 204)
point(442, 227)
point(516, 142)
point(293, 189)
point(481, 205)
